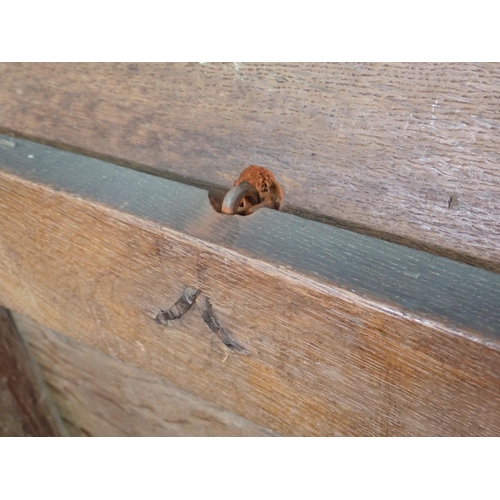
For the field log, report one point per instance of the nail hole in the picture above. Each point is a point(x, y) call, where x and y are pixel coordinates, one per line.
point(453, 201)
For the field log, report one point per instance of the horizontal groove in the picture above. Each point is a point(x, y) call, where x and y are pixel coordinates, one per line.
point(390, 274)
point(298, 211)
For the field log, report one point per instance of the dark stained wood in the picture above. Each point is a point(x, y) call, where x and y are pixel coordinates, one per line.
point(20, 376)
point(343, 334)
point(11, 423)
point(405, 151)
point(98, 395)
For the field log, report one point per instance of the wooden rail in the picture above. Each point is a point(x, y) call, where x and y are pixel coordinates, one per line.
point(405, 151)
point(343, 334)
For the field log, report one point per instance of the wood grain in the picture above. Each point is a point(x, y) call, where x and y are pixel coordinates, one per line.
point(411, 279)
point(405, 151)
point(11, 422)
point(98, 395)
point(95, 252)
point(19, 374)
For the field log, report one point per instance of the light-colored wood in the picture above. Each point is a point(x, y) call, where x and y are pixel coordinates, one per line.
point(98, 395)
point(319, 358)
point(407, 151)
point(29, 397)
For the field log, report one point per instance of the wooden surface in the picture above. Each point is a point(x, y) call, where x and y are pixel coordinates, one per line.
point(98, 395)
point(96, 261)
point(19, 375)
point(11, 422)
point(406, 151)
point(411, 279)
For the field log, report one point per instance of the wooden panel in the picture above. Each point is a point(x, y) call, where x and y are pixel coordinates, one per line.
point(323, 353)
point(406, 151)
point(11, 422)
point(405, 277)
point(99, 395)
point(19, 374)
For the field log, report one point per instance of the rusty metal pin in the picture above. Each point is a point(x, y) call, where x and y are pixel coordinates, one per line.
point(244, 193)
point(255, 188)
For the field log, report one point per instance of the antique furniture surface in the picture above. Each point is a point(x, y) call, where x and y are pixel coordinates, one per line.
point(368, 305)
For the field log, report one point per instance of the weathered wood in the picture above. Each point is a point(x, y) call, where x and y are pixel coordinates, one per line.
point(11, 423)
point(405, 151)
point(415, 280)
point(98, 395)
point(343, 334)
point(20, 374)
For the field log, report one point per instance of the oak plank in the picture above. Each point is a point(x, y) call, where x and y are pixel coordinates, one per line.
point(98, 395)
point(403, 151)
point(19, 374)
point(415, 280)
point(342, 336)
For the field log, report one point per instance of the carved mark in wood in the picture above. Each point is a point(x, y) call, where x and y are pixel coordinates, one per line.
point(209, 317)
point(181, 307)
point(186, 301)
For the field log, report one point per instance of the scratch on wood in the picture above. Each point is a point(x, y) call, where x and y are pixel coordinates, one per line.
point(7, 143)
